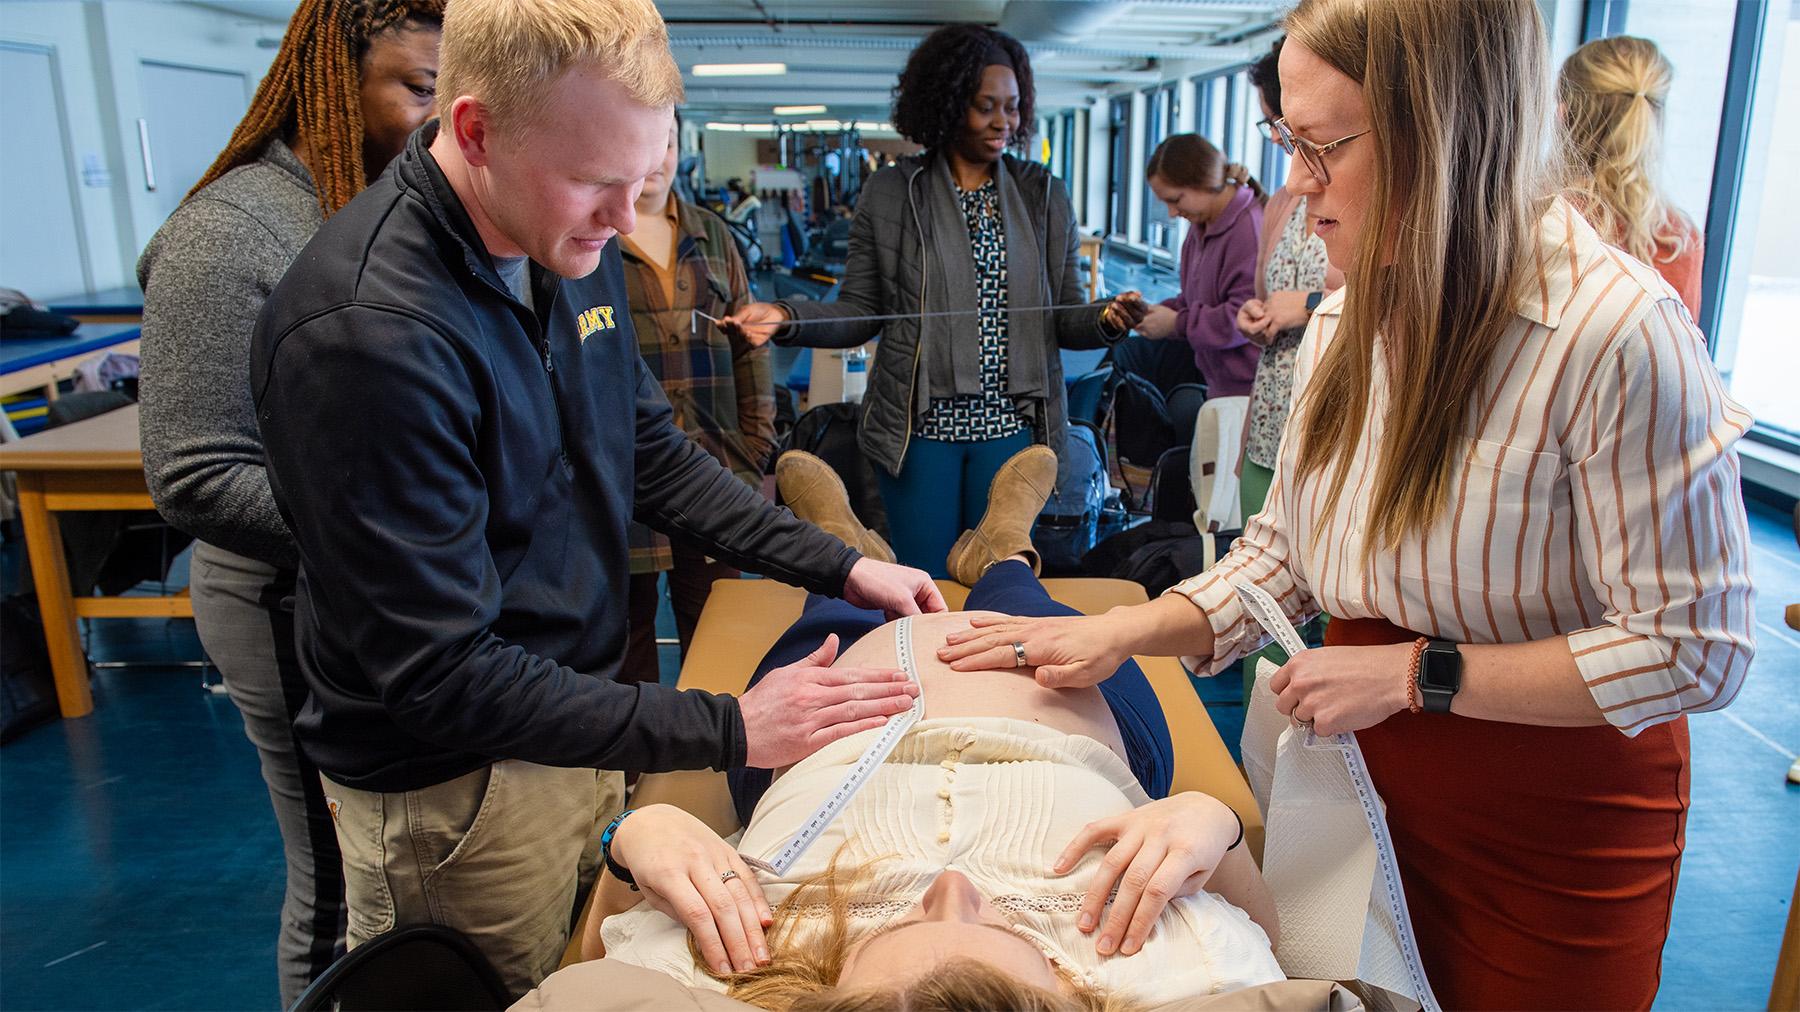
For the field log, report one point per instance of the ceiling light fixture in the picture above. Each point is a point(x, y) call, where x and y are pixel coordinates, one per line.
point(798, 110)
point(739, 69)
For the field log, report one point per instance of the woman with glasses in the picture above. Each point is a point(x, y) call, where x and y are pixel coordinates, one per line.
point(1510, 480)
point(1194, 337)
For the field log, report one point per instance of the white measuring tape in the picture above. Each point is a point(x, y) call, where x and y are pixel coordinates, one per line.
point(860, 772)
point(1268, 614)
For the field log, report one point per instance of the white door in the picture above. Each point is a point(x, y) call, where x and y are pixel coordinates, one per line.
point(189, 114)
point(41, 250)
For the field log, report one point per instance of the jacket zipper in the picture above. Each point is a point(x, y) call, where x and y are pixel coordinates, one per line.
point(562, 433)
point(543, 347)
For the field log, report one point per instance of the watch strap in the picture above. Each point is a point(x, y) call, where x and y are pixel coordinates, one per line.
point(618, 870)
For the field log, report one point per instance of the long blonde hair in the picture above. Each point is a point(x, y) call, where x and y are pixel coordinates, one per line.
point(1457, 100)
point(810, 941)
point(1612, 93)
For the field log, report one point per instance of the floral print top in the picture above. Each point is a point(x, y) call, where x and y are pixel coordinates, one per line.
point(1296, 263)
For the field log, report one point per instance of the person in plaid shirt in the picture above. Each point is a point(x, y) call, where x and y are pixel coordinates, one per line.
point(682, 258)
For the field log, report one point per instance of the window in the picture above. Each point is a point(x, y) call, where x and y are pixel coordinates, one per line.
point(1232, 130)
point(1159, 228)
point(1758, 294)
point(1118, 205)
point(1075, 134)
point(1210, 116)
point(1731, 148)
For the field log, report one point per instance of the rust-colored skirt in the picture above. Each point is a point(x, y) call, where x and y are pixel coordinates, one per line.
point(1539, 862)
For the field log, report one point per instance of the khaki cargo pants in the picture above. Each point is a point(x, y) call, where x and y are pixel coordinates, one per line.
point(500, 854)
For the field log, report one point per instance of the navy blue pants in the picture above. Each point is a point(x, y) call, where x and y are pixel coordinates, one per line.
point(1008, 588)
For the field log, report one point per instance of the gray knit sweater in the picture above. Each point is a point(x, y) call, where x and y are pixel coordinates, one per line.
point(205, 276)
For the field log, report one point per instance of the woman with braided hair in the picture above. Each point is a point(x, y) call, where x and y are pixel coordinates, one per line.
point(352, 80)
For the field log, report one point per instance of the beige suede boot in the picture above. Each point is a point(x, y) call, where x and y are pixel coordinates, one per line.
point(817, 495)
point(1020, 489)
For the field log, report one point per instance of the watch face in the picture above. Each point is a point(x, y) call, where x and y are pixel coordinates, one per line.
point(1440, 669)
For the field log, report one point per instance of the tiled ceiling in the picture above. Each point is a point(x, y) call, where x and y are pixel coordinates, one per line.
point(846, 54)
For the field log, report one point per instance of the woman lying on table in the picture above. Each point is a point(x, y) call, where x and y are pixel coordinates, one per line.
point(974, 866)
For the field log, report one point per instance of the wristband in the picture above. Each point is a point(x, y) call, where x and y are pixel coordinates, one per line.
point(1240, 837)
point(618, 870)
point(1412, 676)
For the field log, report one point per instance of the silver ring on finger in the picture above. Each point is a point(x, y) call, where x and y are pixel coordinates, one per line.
point(728, 874)
point(1018, 655)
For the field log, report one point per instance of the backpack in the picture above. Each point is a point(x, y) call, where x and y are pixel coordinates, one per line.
point(1142, 429)
point(1159, 565)
point(829, 433)
point(1156, 554)
point(1069, 523)
point(1212, 464)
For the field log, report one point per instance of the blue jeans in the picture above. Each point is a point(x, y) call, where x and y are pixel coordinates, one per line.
point(941, 491)
point(1008, 588)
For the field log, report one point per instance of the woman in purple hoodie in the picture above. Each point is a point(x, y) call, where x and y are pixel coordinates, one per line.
point(1193, 337)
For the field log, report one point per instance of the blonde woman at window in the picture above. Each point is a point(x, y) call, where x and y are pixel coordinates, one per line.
point(1510, 479)
point(1611, 94)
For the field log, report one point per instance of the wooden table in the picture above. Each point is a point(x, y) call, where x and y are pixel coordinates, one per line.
point(94, 464)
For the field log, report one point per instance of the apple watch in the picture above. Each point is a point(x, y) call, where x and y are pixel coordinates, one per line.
point(1440, 675)
point(1312, 301)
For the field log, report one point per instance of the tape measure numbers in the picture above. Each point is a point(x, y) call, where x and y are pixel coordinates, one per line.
point(860, 771)
point(1269, 615)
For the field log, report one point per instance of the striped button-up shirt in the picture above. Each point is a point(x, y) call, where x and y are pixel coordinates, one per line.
point(1596, 499)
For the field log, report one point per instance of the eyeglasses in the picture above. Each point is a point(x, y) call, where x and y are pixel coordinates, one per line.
point(1265, 127)
point(1312, 154)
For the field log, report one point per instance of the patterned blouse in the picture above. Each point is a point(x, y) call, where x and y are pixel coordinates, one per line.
point(1296, 263)
point(991, 414)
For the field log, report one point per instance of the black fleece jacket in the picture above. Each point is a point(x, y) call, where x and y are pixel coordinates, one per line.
point(459, 472)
